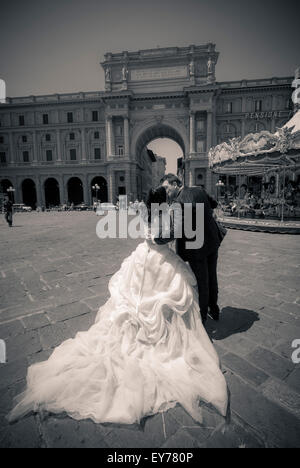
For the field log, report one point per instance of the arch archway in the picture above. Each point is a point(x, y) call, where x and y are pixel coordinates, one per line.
point(75, 190)
point(5, 184)
point(158, 130)
point(153, 130)
point(102, 193)
point(51, 187)
point(29, 193)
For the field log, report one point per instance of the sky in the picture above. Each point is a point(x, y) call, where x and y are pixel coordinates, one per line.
point(55, 46)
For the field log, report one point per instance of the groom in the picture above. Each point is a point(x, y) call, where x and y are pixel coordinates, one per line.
point(203, 261)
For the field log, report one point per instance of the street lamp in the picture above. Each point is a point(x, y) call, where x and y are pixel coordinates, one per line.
point(219, 184)
point(96, 188)
point(10, 191)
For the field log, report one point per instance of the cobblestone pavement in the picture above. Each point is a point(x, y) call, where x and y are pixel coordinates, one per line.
point(53, 278)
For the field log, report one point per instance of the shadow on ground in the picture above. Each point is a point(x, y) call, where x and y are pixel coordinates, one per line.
point(232, 320)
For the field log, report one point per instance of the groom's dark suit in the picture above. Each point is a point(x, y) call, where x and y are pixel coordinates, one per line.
point(203, 261)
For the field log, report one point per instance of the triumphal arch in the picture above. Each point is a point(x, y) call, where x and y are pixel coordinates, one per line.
point(168, 92)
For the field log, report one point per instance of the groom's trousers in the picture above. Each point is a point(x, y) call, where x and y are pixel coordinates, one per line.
point(205, 271)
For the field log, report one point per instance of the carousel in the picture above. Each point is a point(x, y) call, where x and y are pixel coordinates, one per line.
point(259, 180)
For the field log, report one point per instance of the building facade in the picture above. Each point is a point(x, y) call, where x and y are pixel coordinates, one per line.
point(54, 149)
point(158, 170)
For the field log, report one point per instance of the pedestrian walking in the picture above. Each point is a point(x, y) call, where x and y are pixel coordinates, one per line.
point(8, 210)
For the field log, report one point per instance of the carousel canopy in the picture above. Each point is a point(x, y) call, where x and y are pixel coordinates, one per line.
point(258, 152)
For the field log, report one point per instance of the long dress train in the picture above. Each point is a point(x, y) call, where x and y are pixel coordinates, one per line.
point(146, 352)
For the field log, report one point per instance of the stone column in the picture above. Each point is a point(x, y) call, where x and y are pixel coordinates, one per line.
point(11, 148)
point(191, 176)
point(214, 128)
point(132, 170)
point(111, 186)
point(41, 192)
point(112, 138)
point(58, 146)
point(35, 155)
point(243, 104)
point(89, 197)
point(18, 192)
point(209, 181)
point(109, 136)
point(126, 136)
point(85, 190)
point(83, 145)
point(243, 125)
point(128, 185)
point(192, 132)
point(273, 125)
point(61, 190)
point(273, 121)
point(38, 191)
point(209, 131)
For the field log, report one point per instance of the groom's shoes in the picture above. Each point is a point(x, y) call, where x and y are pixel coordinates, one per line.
point(214, 312)
point(204, 317)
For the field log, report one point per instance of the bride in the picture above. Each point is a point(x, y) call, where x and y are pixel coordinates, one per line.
point(146, 352)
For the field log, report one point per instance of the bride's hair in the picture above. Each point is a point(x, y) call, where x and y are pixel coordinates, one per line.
point(156, 195)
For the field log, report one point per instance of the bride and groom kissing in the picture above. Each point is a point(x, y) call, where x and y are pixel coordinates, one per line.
point(203, 261)
point(148, 349)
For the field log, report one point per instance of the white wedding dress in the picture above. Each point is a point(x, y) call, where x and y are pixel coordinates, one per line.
point(146, 352)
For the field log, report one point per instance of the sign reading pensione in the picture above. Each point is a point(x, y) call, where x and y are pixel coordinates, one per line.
point(2, 91)
point(263, 115)
point(2, 352)
point(145, 74)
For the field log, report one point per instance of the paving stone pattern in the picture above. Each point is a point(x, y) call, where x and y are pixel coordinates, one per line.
point(54, 273)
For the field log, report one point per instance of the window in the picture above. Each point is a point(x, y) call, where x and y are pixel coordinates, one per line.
point(228, 107)
point(49, 155)
point(70, 117)
point(258, 106)
point(2, 157)
point(120, 150)
point(200, 125)
point(96, 135)
point(21, 120)
point(200, 146)
point(73, 154)
point(97, 153)
point(119, 130)
point(24, 138)
point(95, 116)
point(1, 139)
point(45, 119)
point(72, 136)
point(25, 156)
point(48, 137)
